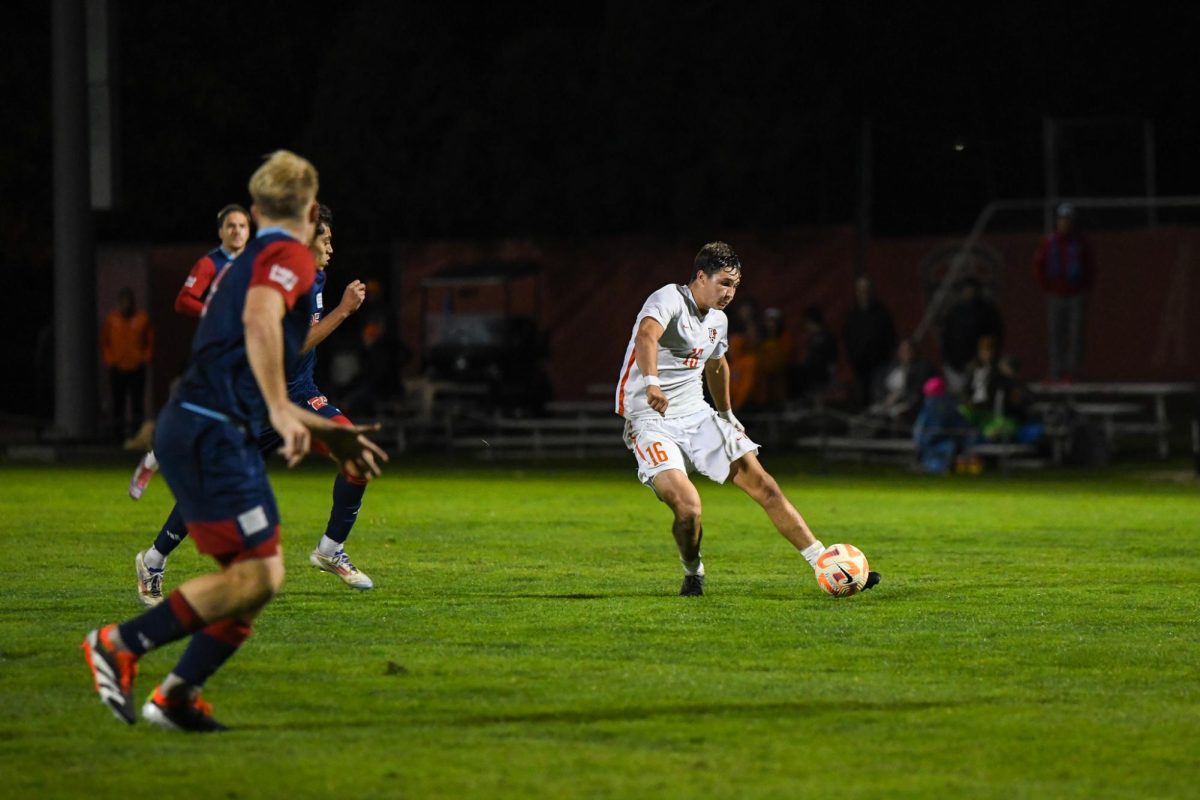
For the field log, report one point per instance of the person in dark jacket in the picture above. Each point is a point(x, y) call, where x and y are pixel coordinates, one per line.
point(869, 336)
point(969, 320)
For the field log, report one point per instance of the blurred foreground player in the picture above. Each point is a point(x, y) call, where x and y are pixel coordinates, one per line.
point(348, 489)
point(233, 228)
point(680, 334)
point(254, 322)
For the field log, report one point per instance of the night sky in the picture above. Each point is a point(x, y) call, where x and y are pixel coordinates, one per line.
point(435, 120)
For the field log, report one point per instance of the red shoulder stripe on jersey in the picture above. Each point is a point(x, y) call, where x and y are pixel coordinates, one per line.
point(285, 266)
point(188, 301)
point(624, 378)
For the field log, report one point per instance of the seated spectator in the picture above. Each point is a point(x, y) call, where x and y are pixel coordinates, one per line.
point(940, 431)
point(982, 380)
point(814, 373)
point(1017, 404)
point(899, 384)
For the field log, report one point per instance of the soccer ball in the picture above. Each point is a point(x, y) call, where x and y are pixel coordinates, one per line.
point(842, 570)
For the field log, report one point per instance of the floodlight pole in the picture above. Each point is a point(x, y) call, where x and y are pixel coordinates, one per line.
point(75, 385)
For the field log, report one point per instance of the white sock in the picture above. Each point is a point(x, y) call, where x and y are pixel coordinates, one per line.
point(154, 559)
point(150, 462)
point(693, 567)
point(811, 553)
point(328, 547)
point(176, 688)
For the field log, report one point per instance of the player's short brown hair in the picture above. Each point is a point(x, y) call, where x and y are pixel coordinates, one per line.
point(232, 208)
point(284, 186)
point(714, 257)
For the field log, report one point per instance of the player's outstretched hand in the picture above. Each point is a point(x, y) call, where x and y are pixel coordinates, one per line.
point(354, 296)
point(352, 450)
point(656, 399)
point(293, 432)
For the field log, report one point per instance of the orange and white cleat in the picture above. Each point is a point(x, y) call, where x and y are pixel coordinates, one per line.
point(113, 672)
point(190, 716)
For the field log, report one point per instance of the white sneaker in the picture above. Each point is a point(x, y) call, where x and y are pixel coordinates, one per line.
point(339, 564)
point(149, 582)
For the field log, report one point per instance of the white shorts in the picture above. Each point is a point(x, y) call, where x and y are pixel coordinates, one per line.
point(700, 442)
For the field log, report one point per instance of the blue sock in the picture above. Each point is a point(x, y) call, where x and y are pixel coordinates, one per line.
point(203, 656)
point(170, 620)
point(173, 532)
point(347, 500)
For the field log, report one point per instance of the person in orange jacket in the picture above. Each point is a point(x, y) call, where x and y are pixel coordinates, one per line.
point(127, 342)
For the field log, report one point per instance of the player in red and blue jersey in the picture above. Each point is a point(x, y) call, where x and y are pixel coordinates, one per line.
point(329, 554)
point(255, 321)
point(233, 229)
point(348, 489)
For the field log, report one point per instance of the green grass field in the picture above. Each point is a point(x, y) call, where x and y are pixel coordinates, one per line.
point(1033, 637)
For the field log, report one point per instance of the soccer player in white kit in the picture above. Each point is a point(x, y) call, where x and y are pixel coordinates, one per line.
point(681, 333)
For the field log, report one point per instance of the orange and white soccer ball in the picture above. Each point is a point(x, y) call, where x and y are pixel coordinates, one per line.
point(842, 570)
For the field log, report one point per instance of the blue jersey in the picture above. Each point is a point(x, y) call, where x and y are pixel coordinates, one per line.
point(218, 376)
point(301, 385)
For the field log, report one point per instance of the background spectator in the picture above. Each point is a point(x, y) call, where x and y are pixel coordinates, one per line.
point(984, 388)
point(940, 432)
point(775, 356)
point(744, 355)
point(745, 311)
point(1017, 405)
point(969, 320)
point(127, 343)
point(899, 385)
point(815, 371)
point(1064, 269)
point(870, 339)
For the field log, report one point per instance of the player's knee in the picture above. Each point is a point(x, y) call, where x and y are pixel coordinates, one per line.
point(687, 510)
point(255, 581)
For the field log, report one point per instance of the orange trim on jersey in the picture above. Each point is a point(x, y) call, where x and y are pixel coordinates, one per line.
point(624, 378)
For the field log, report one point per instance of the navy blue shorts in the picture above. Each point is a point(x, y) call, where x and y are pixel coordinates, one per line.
point(219, 480)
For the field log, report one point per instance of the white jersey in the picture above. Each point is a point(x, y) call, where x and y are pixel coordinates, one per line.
point(689, 340)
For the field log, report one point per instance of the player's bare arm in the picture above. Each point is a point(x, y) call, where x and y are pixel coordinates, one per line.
point(262, 319)
point(352, 300)
point(716, 375)
point(649, 332)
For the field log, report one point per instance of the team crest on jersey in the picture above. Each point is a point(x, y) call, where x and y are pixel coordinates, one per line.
point(712, 334)
point(315, 319)
point(283, 276)
point(318, 402)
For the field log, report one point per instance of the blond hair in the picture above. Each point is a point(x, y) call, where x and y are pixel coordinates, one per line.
point(284, 186)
